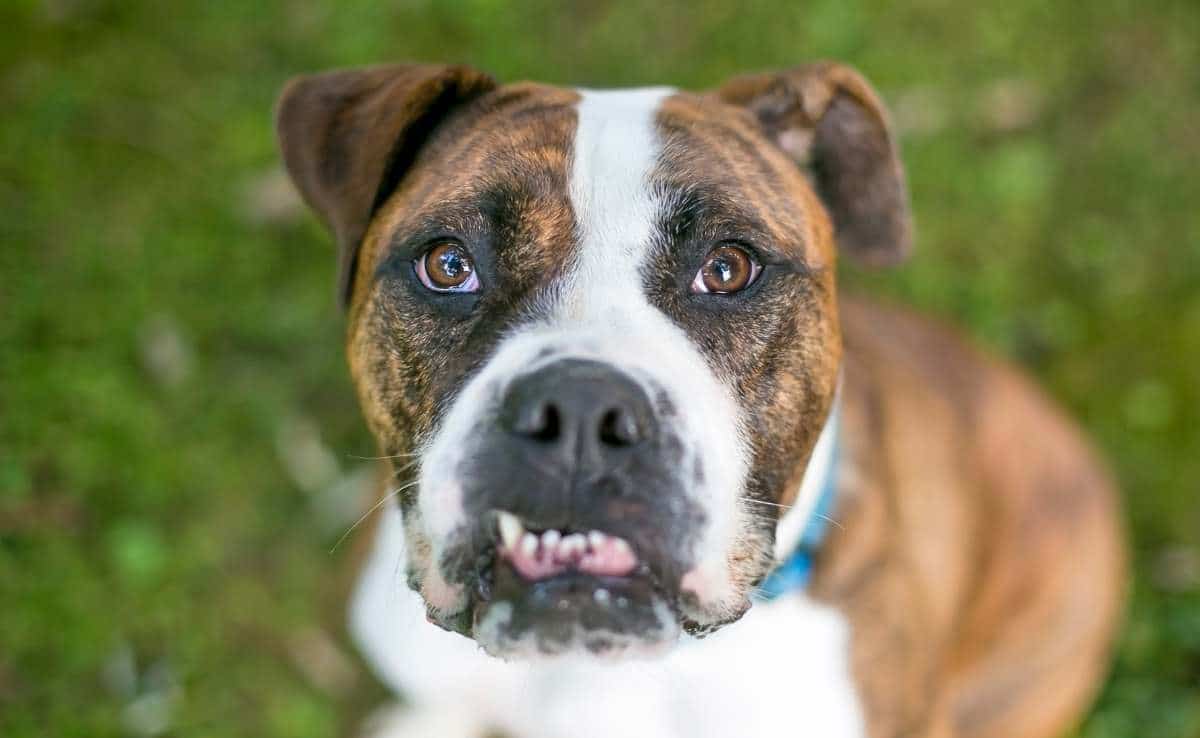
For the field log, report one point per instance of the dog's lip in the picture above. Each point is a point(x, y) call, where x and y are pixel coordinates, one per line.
point(573, 612)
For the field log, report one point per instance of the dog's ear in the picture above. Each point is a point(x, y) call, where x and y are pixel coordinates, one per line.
point(827, 118)
point(349, 136)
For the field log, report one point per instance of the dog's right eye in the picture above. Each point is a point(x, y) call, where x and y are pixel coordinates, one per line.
point(447, 267)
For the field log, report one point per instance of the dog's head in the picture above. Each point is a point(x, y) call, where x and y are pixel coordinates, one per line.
point(596, 331)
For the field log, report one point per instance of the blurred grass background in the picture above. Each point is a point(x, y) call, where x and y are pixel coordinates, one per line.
point(177, 431)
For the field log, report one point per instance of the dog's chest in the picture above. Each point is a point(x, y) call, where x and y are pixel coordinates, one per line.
point(784, 667)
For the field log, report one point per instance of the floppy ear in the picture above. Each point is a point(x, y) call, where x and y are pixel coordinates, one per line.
point(828, 119)
point(348, 138)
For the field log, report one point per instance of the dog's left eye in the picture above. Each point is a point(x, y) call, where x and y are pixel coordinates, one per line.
point(726, 269)
point(447, 267)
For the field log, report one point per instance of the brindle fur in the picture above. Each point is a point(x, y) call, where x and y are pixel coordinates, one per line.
point(976, 552)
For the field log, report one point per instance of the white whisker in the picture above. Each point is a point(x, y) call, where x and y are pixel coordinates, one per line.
point(406, 467)
point(822, 516)
point(381, 458)
point(367, 514)
point(765, 502)
point(830, 520)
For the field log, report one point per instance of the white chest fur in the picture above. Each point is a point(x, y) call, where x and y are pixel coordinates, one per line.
point(782, 670)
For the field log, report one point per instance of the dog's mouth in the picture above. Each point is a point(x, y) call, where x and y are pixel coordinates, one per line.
point(540, 555)
point(551, 591)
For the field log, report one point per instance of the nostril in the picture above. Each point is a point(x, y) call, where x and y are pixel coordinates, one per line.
point(619, 428)
point(539, 421)
point(551, 427)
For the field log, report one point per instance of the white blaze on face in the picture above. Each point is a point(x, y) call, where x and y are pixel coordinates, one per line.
point(618, 211)
point(599, 310)
point(616, 149)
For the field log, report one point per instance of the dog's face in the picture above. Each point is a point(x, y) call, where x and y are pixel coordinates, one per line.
point(596, 331)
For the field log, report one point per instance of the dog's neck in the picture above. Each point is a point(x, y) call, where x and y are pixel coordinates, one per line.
point(822, 465)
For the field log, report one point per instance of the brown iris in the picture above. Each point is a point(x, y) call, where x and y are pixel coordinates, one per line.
point(726, 269)
point(448, 267)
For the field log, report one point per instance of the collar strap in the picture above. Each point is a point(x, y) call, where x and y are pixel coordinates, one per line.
point(802, 528)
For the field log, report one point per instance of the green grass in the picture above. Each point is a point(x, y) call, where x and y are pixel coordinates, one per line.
point(168, 323)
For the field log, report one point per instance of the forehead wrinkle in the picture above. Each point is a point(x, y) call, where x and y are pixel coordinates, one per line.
point(518, 129)
point(731, 181)
point(706, 211)
point(454, 214)
point(708, 146)
point(700, 129)
point(516, 132)
point(495, 168)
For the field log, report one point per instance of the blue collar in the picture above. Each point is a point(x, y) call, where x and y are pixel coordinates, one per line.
point(795, 569)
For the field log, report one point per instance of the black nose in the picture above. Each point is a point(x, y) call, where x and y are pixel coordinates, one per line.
point(578, 410)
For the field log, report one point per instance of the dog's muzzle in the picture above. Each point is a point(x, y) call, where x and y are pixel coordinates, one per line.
point(583, 525)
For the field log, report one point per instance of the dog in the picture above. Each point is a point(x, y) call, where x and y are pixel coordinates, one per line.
point(650, 473)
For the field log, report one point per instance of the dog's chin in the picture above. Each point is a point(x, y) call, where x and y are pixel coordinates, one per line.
point(532, 594)
point(574, 614)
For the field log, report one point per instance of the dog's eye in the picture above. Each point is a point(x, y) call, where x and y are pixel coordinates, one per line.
point(447, 267)
point(726, 269)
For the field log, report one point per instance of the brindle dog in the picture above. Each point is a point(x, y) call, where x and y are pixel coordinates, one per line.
point(605, 327)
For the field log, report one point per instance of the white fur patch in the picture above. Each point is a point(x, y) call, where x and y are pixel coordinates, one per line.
point(616, 149)
point(781, 670)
